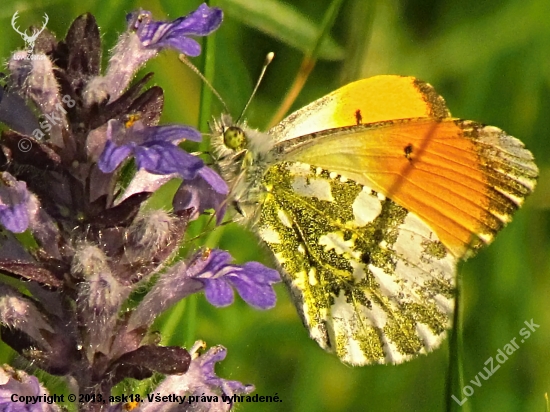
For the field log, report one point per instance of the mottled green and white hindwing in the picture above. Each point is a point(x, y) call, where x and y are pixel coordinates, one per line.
point(372, 282)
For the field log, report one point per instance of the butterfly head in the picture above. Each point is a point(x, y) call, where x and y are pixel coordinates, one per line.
point(229, 145)
point(234, 138)
point(241, 155)
point(236, 142)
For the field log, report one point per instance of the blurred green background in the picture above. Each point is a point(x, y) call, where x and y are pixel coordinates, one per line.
point(491, 62)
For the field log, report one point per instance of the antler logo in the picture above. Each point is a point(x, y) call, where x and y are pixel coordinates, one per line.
point(29, 39)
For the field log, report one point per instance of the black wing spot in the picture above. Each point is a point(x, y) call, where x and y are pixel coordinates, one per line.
point(347, 235)
point(365, 258)
point(408, 151)
point(378, 235)
point(358, 117)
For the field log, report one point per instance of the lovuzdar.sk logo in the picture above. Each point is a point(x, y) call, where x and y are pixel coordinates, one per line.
point(29, 39)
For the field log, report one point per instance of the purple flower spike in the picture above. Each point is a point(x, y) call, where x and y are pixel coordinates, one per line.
point(206, 191)
point(96, 245)
point(163, 34)
point(14, 204)
point(154, 148)
point(252, 280)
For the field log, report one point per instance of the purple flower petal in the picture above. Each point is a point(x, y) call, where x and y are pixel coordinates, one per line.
point(21, 210)
point(206, 191)
point(217, 260)
point(113, 156)
point(165, 158)
point(14, 204)
point(20, 384)
point(214, 180)
point(143, 181)
point(207, 364)
point(202, 21)
point(253, 281)
point(185, 45)
point(14, 218)
point(155, 148)
point(219, 293)
point(174, 133)
point(200, 381)
point(163, 34)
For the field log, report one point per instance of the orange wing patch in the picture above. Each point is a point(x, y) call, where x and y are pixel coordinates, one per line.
point(462, 178)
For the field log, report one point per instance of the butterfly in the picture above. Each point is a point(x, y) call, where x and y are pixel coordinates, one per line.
point(368, 197)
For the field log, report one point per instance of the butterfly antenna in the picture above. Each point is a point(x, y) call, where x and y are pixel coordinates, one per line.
point(207, 231)
point(268, 60)
point(183, 58)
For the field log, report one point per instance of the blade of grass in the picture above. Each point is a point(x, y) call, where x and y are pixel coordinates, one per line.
point(358, 38)
point(308, 63)
point(283, 22)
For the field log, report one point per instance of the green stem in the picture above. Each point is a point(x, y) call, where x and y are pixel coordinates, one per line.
point(172, 326)
point(206, 94)
point(455, 373)
point(209, 46)
point(190, 320)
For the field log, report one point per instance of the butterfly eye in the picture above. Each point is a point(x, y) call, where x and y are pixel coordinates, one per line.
point(234, 138)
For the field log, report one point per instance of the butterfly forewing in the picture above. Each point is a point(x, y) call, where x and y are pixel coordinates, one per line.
point(460, 177)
